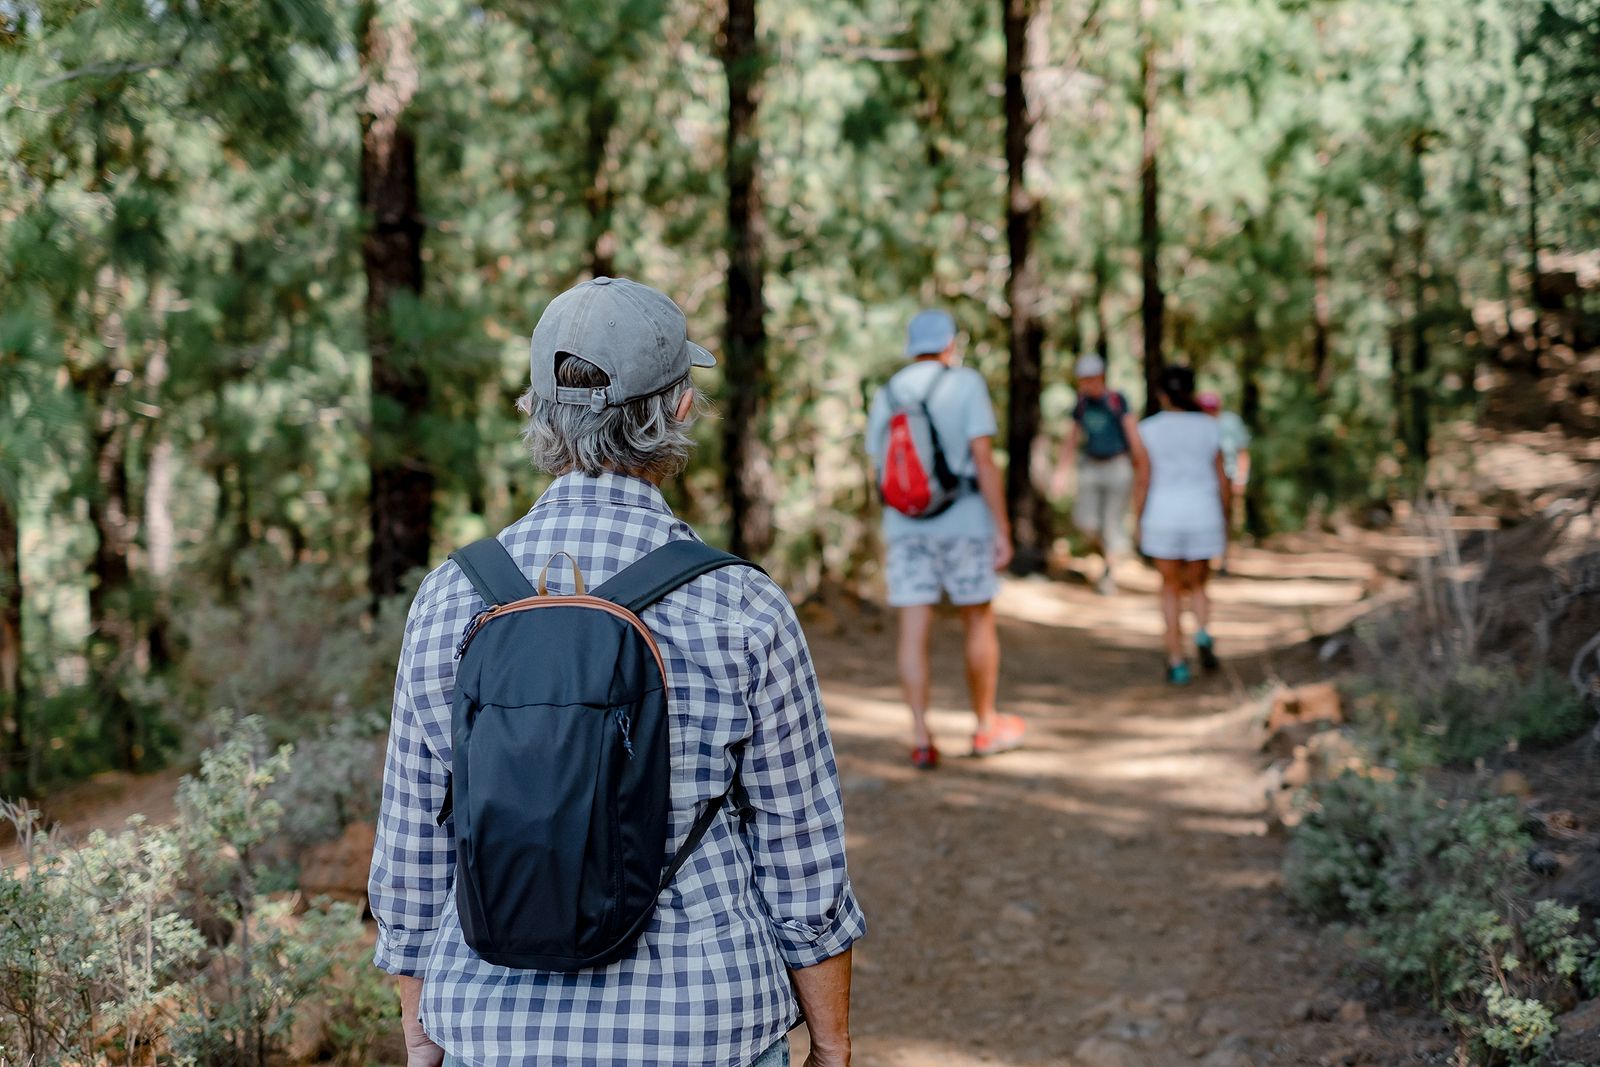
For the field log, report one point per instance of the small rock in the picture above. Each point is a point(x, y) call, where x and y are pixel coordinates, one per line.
point(1352, 1012)
point(1301, 1011)
point(1512, 784)
point(1103, 1052)
point(1544, 863)
point(1233, 1053)
point(1019, 912)
point(1306, 703)
point(1134, 1029)
point(1216, 1022)
point(1325, 1009)
point(338, 869)
point(1584, 1019)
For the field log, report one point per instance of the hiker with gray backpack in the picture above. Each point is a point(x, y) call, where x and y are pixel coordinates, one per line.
point(611, 832)
point(1100, 449)
point(930, 432)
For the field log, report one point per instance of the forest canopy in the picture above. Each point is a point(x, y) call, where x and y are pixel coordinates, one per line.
point(268, 270)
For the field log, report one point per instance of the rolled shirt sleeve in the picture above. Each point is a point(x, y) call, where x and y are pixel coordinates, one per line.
point(796, 829)
point(413, 859)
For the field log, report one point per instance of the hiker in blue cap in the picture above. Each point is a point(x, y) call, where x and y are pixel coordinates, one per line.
point(930, 433)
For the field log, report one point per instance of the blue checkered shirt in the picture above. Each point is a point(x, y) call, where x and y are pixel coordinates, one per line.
point(707, 984)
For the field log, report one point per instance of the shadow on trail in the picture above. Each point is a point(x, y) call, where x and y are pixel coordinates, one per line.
point(1104, 896)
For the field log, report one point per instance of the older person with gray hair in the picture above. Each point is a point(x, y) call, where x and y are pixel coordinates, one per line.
point(757, 926)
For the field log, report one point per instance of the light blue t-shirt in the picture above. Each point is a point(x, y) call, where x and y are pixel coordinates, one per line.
point(960, 411)
point(1235, 439)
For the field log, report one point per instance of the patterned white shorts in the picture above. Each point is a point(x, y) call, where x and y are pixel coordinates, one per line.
point(922, 569)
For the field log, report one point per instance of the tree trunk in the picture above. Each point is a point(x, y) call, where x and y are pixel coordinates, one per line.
point(1254, 360)
point(14, 735)
point(747, 466)
point(1321, 304)
point(1535, 278)
point(1102, 327)
point(1418, 441)
point(1030, 525)
point(401, 495)
point(600, 197)
point(111, 630)
point(1396, 334)
point(160, 533)
point(1153, 306)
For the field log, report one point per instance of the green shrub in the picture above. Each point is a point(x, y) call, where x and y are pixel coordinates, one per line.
point(1519, 1031)
point(1420, 719)
point(1438, 888)
point(157, 942)
point(298, 647)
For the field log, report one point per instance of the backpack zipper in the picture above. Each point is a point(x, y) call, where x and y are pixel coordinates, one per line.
point(624, 725)
point(581, 601)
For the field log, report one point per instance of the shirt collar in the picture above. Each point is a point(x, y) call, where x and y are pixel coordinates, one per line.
point(618, 490)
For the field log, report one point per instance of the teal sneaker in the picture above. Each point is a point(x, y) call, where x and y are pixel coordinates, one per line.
point(1178, 674)
point(1208, 651)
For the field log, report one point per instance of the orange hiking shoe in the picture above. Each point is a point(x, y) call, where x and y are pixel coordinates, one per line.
point(924, 757)
point(1004, 734)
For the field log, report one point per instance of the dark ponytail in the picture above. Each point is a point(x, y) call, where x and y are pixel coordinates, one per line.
point(1177, 385)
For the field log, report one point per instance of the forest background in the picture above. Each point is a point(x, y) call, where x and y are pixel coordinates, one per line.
point(267, 271)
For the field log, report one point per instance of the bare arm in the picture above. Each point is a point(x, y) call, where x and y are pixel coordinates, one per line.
point(1141, 466)
point(824, 994)
point(1242, 469)
point(994, 494)
point(1065, 460)
point(420, 1049)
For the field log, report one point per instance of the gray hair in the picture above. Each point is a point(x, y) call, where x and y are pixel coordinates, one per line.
point(642, 437)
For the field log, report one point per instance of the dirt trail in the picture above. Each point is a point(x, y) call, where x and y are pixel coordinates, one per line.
point(1106, 897)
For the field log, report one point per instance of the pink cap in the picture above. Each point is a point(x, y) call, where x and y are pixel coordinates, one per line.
point(1210, 402)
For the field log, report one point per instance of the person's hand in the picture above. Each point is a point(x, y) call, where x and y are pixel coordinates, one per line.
point(1059, 483)
point(425, 1055)
point(1003, 553)
point(828, 1057)
point(420, 1049)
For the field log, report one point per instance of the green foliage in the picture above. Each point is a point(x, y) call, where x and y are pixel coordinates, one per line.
point(298, 643)
point(154, 940)
point(1438, 891)
point(1467, 712)
point(356, 1003)
point(1515, 1030)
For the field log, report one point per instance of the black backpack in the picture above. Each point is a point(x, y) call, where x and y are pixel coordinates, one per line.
point(562, 761)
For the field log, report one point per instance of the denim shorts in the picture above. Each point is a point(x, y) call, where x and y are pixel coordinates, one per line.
point(776, 1056)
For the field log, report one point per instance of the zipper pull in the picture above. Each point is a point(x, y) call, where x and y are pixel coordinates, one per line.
point(472, 628)
point(624, 724)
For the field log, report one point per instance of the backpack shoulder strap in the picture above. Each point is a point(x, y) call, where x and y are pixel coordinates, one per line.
point(492, 571)
point(658, 573)
point(939, 379)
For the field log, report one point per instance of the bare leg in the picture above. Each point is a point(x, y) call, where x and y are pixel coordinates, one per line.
point(915, 623)
point(1172, 606)
point(1195, 575)
point(983, 659)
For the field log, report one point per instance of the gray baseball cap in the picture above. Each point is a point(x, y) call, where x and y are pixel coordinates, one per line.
point(634, 333)
point(929, 333)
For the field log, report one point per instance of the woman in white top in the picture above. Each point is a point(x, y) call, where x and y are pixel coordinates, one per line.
point(1180, 498)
